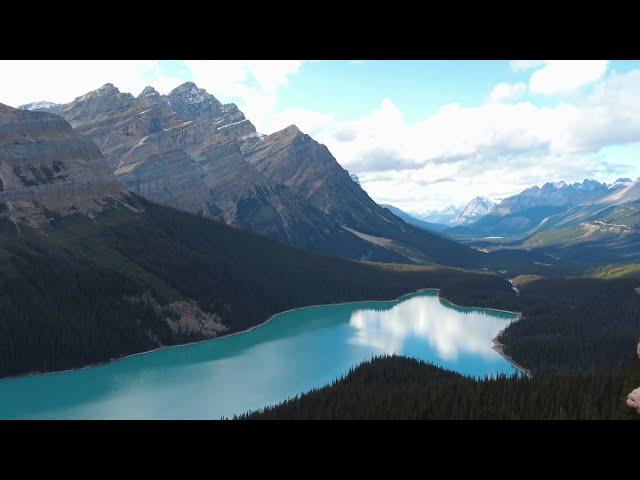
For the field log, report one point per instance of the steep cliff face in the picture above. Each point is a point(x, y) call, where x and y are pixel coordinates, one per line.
point(46, 166)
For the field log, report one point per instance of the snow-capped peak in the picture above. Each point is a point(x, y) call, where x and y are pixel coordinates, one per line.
point(38, 106)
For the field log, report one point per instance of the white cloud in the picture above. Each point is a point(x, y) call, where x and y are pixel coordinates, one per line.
point(492, 150)
point(309, 121)
point(566, 76)
point(507, 91)
point(24, 81)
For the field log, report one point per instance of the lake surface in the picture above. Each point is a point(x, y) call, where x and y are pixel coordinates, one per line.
point(293, 353)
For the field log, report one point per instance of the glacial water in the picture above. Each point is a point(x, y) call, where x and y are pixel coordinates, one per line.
point(293, 353)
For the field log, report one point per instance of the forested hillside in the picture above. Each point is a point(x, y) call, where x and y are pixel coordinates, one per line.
point(140, 275)
point(399, 388)
point(574, 324)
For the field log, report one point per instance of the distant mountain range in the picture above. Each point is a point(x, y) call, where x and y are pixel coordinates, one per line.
point(443, 216)
point(586, 222)
point(558, 194)
point(451, 215)
point(189, 151)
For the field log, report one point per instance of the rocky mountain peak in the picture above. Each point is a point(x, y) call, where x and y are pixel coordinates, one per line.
point(476, 208)
point(192, 102)
point(292, 129)
point(106, 90)
point(148, 92)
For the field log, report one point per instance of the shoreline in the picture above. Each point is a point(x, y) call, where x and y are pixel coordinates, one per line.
point(253, 327)
point(499, 347)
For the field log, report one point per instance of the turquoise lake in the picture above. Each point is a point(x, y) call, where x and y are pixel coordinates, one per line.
point(293, 353)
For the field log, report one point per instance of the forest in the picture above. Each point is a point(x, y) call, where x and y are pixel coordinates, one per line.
point(574, 324)
point(400, 388)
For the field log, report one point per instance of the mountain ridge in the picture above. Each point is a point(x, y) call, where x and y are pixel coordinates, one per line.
point(189, 151)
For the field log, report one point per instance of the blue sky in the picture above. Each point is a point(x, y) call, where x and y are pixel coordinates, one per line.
point(420, 134)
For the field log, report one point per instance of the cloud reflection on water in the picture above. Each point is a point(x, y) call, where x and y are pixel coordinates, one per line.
point(450, 331)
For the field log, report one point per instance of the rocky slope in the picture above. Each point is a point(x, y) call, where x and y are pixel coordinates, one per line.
point(48, 168)
point(294, 159)
point(189, 151)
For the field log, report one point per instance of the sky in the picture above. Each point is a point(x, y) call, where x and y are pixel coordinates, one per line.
point(420, 135)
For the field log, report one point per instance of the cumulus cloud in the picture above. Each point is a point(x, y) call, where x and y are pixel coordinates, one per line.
point(565, 76)
point(345, 135)
point(309, 121)
point(493, 149)
point(507, 91)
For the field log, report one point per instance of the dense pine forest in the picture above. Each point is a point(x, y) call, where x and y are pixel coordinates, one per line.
point(575, 324)
point(399, 388)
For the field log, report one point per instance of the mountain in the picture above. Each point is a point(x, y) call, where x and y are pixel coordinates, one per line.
point(620, 183)
point(475, 209)
point(626, 191)
point(294, 159)
point(47, 168)
point(536, 210)
point(593, 234)
point(509, 226)
point(553, 194)
point(428, 226)
point(91, 271)
point(446, 216)
point(189, 151)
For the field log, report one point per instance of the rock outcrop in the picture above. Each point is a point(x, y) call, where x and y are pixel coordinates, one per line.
point(45, 166)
